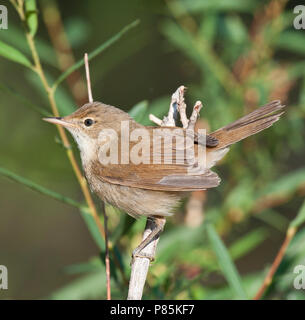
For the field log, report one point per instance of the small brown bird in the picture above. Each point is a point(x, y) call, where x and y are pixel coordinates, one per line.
point(148, 188)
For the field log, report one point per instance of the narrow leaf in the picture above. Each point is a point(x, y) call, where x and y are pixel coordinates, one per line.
point(138, 111)
point(36, 187)
point(201, 53)
point(93, 265)
point(24, 101)
point(286, 185)
point(13, 54)
point(91, 286)
point(216, 5)
point(31, 16)
point(89, 220)
point(65, 103)
point(93, 228)
point(15, 36)
point(158, 107)
point(247, 243)
point(225, 262)
point(300, 218)
point(293, 41)
point(77, 30)
point(94, 53)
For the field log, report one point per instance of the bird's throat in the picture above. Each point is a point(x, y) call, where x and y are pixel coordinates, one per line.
point(87, 147)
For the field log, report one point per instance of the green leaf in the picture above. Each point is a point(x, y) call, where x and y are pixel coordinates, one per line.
point(93, 265)
point(216, 5)
point(236, 30)
point(286, 185)
point(201, 53)
point(95, 53)
point(31, 16)
point(274, 219)
point(208, 27)
point(91, 286)
point(36, 187)
point(24, 101)
point(89, 220)
point(247, 243)
point(227, 266)
point(158, 107)
point(241, 197)
point(64, 101)
point(93, 228)
point(120, 227)
point(250, 282)
point(138, 111)
point(77, 30)
point(15, 36)
point(184, 237)
point(12, 54)
point(295, 250)
point(300, 218)
point(292, 41)
point(185, 42)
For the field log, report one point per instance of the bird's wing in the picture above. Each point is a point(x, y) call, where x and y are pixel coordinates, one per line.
point(167, 166)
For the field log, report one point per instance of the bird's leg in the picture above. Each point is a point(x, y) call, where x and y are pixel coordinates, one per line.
point(157, 225)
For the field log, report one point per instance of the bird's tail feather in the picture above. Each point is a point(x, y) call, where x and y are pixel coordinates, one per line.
point(248, 125)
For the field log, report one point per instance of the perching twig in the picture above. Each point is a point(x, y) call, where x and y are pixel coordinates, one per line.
point(140, 264)
point(107, 259)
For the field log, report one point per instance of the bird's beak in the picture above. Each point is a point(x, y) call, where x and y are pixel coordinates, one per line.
point(60, 121)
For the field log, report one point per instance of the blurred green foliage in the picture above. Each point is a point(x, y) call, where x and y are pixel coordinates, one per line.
point(233, 56)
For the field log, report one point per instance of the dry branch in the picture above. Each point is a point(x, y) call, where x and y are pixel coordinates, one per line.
point(140, 264)
point(107, 259)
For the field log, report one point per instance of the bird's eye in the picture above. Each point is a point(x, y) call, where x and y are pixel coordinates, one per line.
point(88, 122)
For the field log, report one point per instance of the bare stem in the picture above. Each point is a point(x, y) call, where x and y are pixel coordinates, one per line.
point(88, 78)
point(277, 261)
point(50, 92)
point(140, 264)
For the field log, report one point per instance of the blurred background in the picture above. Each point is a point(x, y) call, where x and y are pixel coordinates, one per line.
point(232, 55)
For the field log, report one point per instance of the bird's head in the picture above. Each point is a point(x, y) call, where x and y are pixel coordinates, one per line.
point(87, 122)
